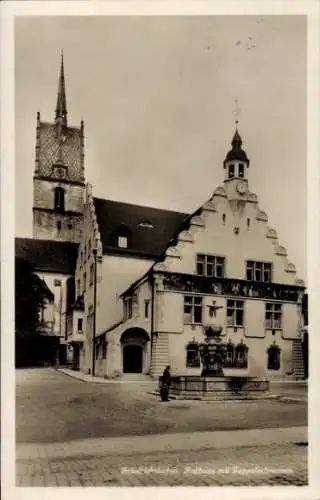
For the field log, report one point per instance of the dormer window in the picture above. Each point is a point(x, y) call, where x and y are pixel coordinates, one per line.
point(122, 242)
point(231, 171)
point(120, 237)
point(147, 224)
point(241, 170)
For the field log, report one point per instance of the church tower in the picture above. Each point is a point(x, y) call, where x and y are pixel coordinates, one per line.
point(58, 183)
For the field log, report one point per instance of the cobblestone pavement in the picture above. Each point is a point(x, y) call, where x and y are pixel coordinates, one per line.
point(273, 465)
point(53, 407)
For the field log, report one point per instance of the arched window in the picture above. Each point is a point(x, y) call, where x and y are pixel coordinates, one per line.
point(192, 355)
point(59, 199)
point(241, 356)
point(231, 171)
point(274, 357)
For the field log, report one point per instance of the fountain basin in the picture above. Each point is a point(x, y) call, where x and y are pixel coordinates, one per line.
point(218, 388)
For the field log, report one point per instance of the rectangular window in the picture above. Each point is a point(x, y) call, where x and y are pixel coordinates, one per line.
point(91, 273)
point(84, 281)
point(146, 308)
point(259, 271)
point(127, 308)
point(193, 309)
point(104, 349)
point(97, 349)
point(210, 266)
point(235, 313)
point(273, 316)
point(80, 324)
point(57, 282)
point(122, 241)
point(78, 287)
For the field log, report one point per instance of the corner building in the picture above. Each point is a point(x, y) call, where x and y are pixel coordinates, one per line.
point(147, 282)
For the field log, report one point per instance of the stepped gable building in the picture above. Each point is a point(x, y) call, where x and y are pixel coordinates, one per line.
point(139, 285)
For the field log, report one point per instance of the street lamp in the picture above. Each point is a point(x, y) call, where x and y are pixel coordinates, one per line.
point(94, 251)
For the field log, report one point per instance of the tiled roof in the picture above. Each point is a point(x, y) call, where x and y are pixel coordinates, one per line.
point(148, 229)
point(49, 154)
point(47, 255)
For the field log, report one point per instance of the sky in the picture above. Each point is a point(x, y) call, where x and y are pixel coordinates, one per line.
point(157, 95)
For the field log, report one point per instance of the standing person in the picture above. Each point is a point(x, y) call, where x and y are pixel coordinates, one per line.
point(165, 384)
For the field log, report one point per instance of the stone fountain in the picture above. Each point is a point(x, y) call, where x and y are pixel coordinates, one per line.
point(213, 384)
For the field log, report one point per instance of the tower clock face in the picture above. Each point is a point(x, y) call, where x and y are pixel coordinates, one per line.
point(241, 187)
point(60, 172)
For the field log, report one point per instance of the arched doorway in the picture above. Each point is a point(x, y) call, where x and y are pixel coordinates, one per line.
point(134, 350)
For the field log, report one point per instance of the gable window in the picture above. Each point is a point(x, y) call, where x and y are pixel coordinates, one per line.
point(59, 199)
point(274, 357)
point(259, 271)
point(241, 170)
point(192, 355)
point(122, 242)
point(231, 171)
point(57, 282)
point(235, 313)
point(127, 305)
point(273, 316)
point(80, 324)
point(193, 309)
point(211, 266)
point(146, 308)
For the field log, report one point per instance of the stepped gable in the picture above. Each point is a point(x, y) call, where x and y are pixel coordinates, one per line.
point(48, 255)
point(149, 230)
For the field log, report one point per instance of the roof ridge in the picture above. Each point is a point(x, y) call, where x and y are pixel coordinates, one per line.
point(140, 206)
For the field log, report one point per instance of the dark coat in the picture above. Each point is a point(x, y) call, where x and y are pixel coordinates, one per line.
point(166, 378)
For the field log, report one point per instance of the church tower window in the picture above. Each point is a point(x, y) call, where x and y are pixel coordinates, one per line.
point(59, 225)
point(231, 171)
point(59, 199)
point(241, 170)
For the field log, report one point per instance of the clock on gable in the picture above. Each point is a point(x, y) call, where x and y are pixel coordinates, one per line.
point(241, 187)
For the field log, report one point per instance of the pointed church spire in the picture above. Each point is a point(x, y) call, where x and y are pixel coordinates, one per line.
point(61, 108)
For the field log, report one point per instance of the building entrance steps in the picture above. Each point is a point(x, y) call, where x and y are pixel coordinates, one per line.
point(163, 443)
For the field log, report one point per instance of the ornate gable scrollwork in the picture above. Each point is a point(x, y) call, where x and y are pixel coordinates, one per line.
point(281, 251)
point(209, 206)
point(262, 216)
point(272, 234)
point(291, 268)
point(160, 266)
point(252, 198)
point(197, 221)
point(173, 252)
point(220, 191)
point(185, 236)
